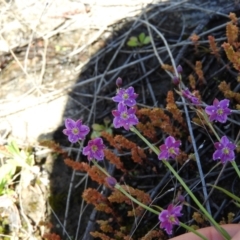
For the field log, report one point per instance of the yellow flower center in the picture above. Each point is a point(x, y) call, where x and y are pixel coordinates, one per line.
point(125, 96)
point(171, 219)
point(220, 111)
point(225, 150)
point(171, 150)
point(75, 131)
point(94, 148)
point(124, 115)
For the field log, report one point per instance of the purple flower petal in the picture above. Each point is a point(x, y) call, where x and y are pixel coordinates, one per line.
point(169, 141)
point(224, 141)
point(189, 96)
point(231, 146)
point(73, 138)
point(169, 217)
point(122, 107)
point(126, 96)
point(163, 155)
point(218, 111)
point(67, 131)
point(170, 148)
point(217, 155)
point(210, 109)
point(167, 226)
point(178, 210)
point(115, 113)
point(117, 98)
point(218, 145)
point(69, 123)
point(124, 117)
point(94, 149)
point(75, 130)
point(163, 148)
point(215, 102)
point(131, 110)
point(224, 150)
point(224, 103)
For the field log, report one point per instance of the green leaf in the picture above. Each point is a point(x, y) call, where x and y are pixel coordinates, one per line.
point(12, 147)
point(2, 185)
point(30, 159)
point(109, 130)
point(147, 40)
point(141, 37)
point(135, 39)
point(133, 42)
point(98, 127)
point(95, 134)
point(6, 172)
point(227, 193)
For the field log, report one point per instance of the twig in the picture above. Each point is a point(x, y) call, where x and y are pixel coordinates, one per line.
point(196, 156)
point(81, 213)
point(55, 215)
point(70, 189)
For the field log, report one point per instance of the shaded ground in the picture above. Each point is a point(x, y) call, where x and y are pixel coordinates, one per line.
point(51, 65)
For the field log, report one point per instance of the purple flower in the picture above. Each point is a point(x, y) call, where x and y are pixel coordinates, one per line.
point(188, 95)
point(168, 217)
point(218, 111)
point(127, 96)
point(170, 149)
point(75, 130)
point(94, 149)
point(225, 150)
point(124, 117)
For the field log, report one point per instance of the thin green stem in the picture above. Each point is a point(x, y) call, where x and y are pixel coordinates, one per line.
point(217, 226)
point(236, 168)
point(209, 123)
point(190, 229)
point(133, 129)
point(102, 169)
point(218, 138)
point(119, 187)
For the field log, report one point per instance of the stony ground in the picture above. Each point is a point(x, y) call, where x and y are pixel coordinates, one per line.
point(44, 46)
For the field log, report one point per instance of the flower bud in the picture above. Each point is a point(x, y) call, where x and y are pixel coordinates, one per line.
point(111, 181)
point(180, 198)
point(119, 82)
point(176, 80)
point(179, 69)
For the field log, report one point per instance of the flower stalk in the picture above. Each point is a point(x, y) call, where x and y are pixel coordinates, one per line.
point(216, 225)
point(123, 191)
